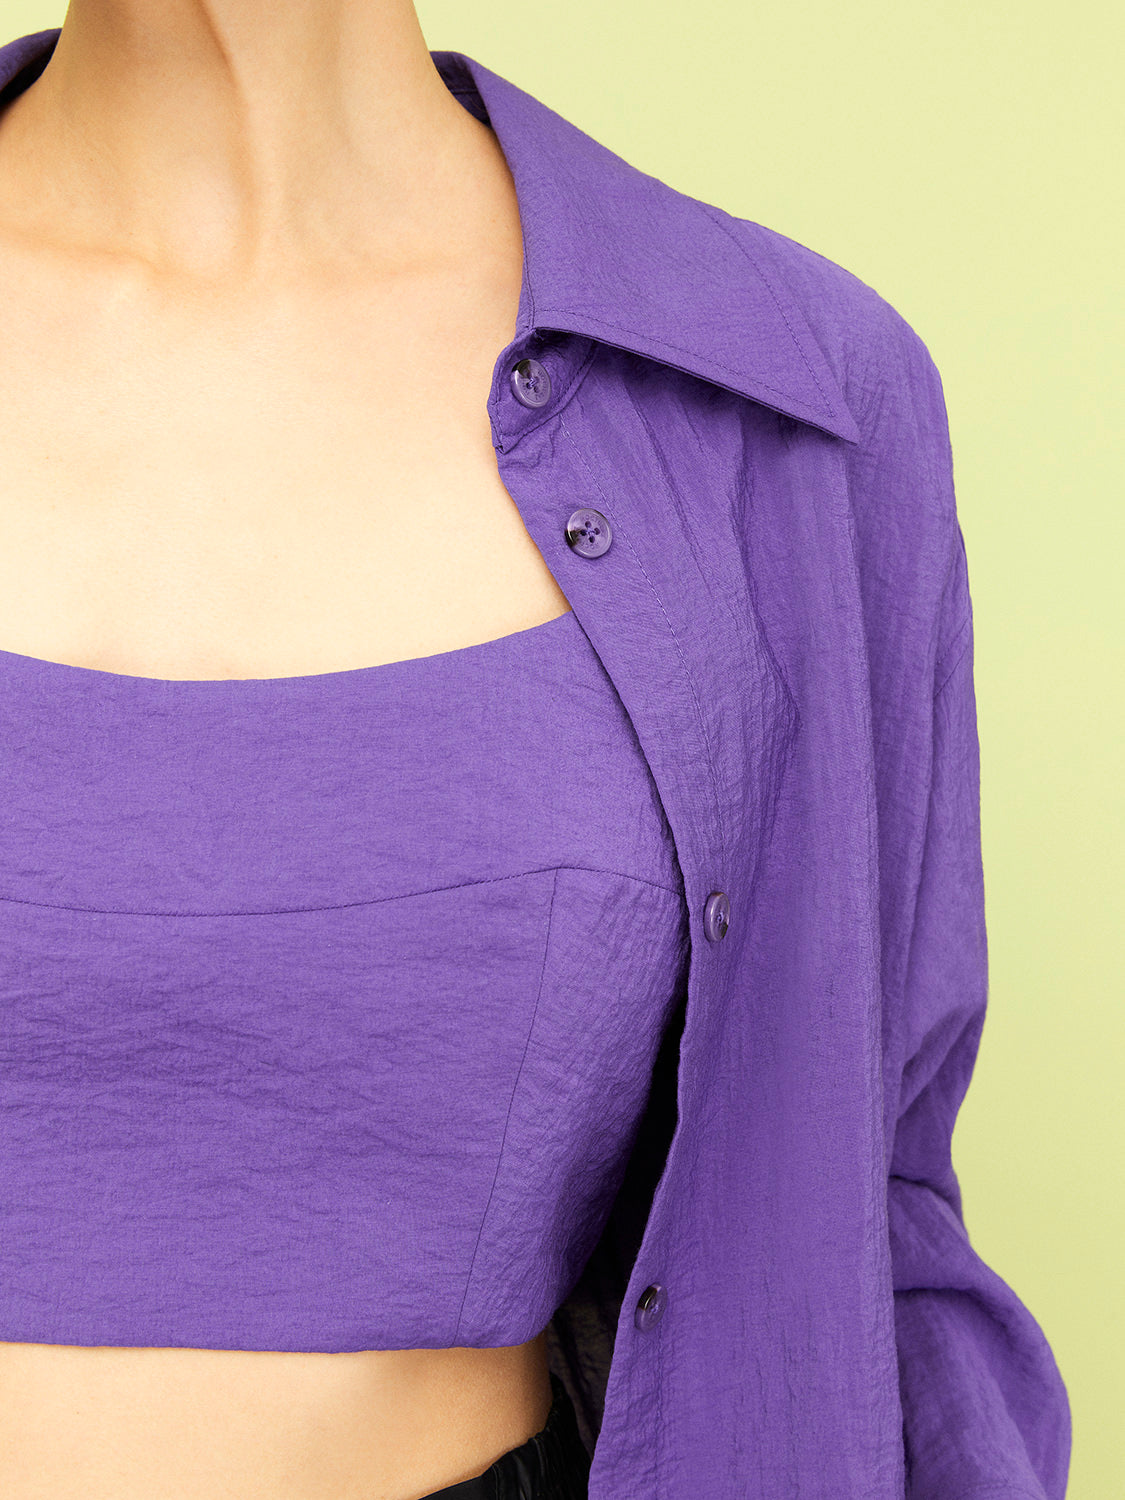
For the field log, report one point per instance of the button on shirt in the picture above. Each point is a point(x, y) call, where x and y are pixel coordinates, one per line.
point(734, 457)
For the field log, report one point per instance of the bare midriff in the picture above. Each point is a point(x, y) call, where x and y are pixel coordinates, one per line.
point(199, 1424)
point(210, 483)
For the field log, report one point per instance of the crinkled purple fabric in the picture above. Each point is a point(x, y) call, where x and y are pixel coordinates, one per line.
point(328, 1004)
point(785, 615)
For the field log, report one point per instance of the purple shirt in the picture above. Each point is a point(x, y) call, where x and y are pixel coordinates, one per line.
point(734, 457)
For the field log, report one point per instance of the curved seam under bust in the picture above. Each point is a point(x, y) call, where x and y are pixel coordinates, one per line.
point(281, 911)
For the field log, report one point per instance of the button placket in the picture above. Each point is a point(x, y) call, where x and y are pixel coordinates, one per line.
point(589, 534)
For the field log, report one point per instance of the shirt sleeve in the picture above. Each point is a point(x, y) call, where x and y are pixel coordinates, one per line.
point(985, 1410)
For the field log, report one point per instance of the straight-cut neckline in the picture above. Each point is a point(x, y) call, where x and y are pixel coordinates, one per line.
point(69, 672)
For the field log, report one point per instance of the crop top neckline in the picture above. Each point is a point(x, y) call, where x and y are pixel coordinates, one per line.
point(69, 672)
point(331, 1004)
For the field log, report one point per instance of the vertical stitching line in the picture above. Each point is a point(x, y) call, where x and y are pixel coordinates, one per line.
point(508, 1116)
point(713, 215)
point(961, 630)
point(679, 650)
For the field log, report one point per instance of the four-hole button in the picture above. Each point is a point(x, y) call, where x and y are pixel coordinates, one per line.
point(531, 382)
point(588, 532)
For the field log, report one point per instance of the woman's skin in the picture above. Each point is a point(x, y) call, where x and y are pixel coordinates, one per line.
point(257, 267)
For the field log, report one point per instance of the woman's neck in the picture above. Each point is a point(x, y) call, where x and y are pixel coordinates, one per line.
point(243, 141)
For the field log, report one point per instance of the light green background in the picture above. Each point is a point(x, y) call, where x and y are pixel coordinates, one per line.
point(965, 159)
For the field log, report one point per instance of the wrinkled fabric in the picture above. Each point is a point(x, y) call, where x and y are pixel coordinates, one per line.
point(785, 614)
point(328, 1004)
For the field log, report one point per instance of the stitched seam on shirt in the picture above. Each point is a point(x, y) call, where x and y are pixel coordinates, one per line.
point(713, 215)
point(683, 661)
point(661, 1421)
point(649, 338)
point(508, 1116)
point(281, 911)
point(961, 630)
point(716, 220)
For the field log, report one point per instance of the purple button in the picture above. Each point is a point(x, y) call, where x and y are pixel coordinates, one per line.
point(650, 1307)
point(716, 916)
point(531, 382)
point(588, 533)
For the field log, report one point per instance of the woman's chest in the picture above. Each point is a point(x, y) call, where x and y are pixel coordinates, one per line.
point(308, 486)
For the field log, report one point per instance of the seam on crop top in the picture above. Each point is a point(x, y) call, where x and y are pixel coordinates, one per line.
point(508, 1116)
point(280, 911)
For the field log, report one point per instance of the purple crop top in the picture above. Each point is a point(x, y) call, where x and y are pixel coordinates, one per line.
point(328, 1004)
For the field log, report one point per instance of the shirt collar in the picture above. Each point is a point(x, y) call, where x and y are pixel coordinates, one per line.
point(615, 254)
